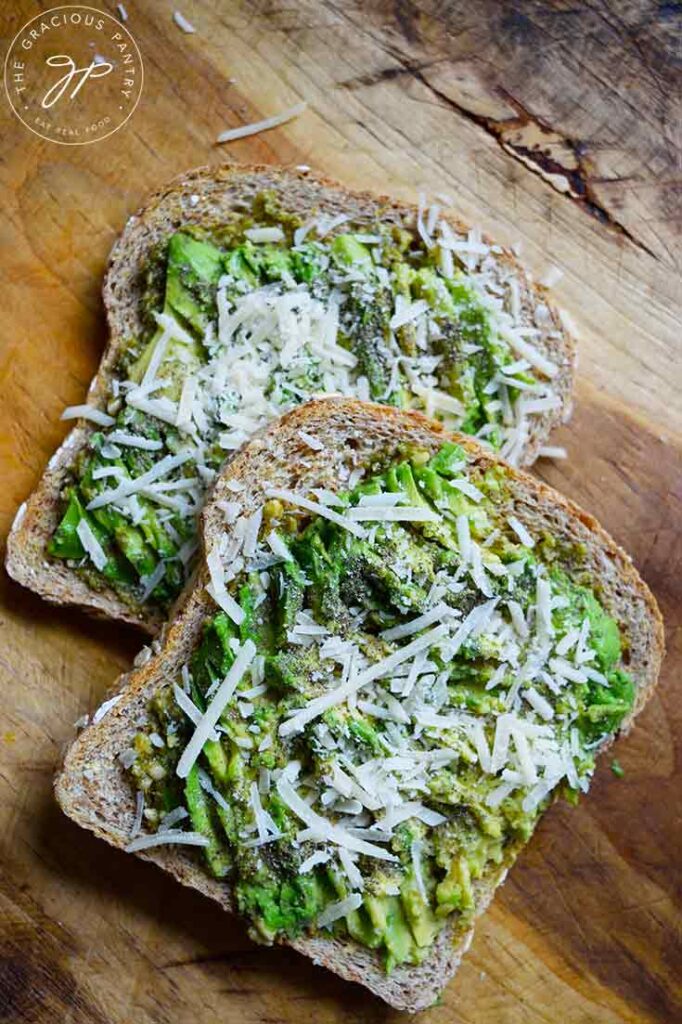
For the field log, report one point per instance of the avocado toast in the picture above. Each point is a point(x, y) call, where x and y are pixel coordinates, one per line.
point(398, 651)
point(236, 293)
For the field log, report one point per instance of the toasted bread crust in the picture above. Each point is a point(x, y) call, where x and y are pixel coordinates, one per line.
point(92, 787)
point(213, 194)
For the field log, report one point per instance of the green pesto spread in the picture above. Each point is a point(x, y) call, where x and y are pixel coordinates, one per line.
point(246, 319)
point(369, 797)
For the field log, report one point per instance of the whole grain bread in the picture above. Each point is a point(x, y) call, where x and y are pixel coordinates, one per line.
point(93, 788)
point(212, 195)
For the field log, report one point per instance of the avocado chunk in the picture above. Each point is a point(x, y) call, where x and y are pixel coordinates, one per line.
point(603, 630)
point(361, 928)
point(388, 918)
point(65, 542)
point(280, 905)
point(323, 567)
point(348, 251)
point(367, 334)
point(214, 656)
point(423, 922)
point(449, 460)
point(604, 633)
point(289, 588)
point(607, 706)
point(194, 269)
point(203, 820)
point(455, 892)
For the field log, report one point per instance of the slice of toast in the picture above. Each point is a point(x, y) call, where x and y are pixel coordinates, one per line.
point(208, 196)
point(93, 787)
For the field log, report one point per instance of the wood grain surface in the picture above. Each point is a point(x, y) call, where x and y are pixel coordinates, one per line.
point(553, 124)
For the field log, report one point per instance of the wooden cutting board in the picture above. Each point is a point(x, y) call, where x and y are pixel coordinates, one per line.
point(552, 124)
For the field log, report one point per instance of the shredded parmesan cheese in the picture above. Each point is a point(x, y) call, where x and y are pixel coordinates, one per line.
point(313, 442)
point(258, 235)
point(552, 452)
point(324, 828)
point(313, 506)
point(262, 126)
point(209, 719)
point(105, 707)
point(128, 487)
point(182, 23)
point(319, 705)
point(169, 838)
point(92, 546)
point(334, 911)
point(521, 532)
point(88, 412)
point(134, 441)
point(401, 514)
point(318, 857)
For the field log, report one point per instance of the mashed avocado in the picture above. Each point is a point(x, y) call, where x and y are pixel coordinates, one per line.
point(420, 682)
point(246, 319)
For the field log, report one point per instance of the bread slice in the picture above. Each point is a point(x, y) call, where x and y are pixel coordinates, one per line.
point(93, 788)
point(203, 196)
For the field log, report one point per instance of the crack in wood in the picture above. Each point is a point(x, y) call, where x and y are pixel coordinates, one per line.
point(574, 182)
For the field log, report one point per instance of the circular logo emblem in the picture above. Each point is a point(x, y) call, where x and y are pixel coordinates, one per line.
point(73, 75)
